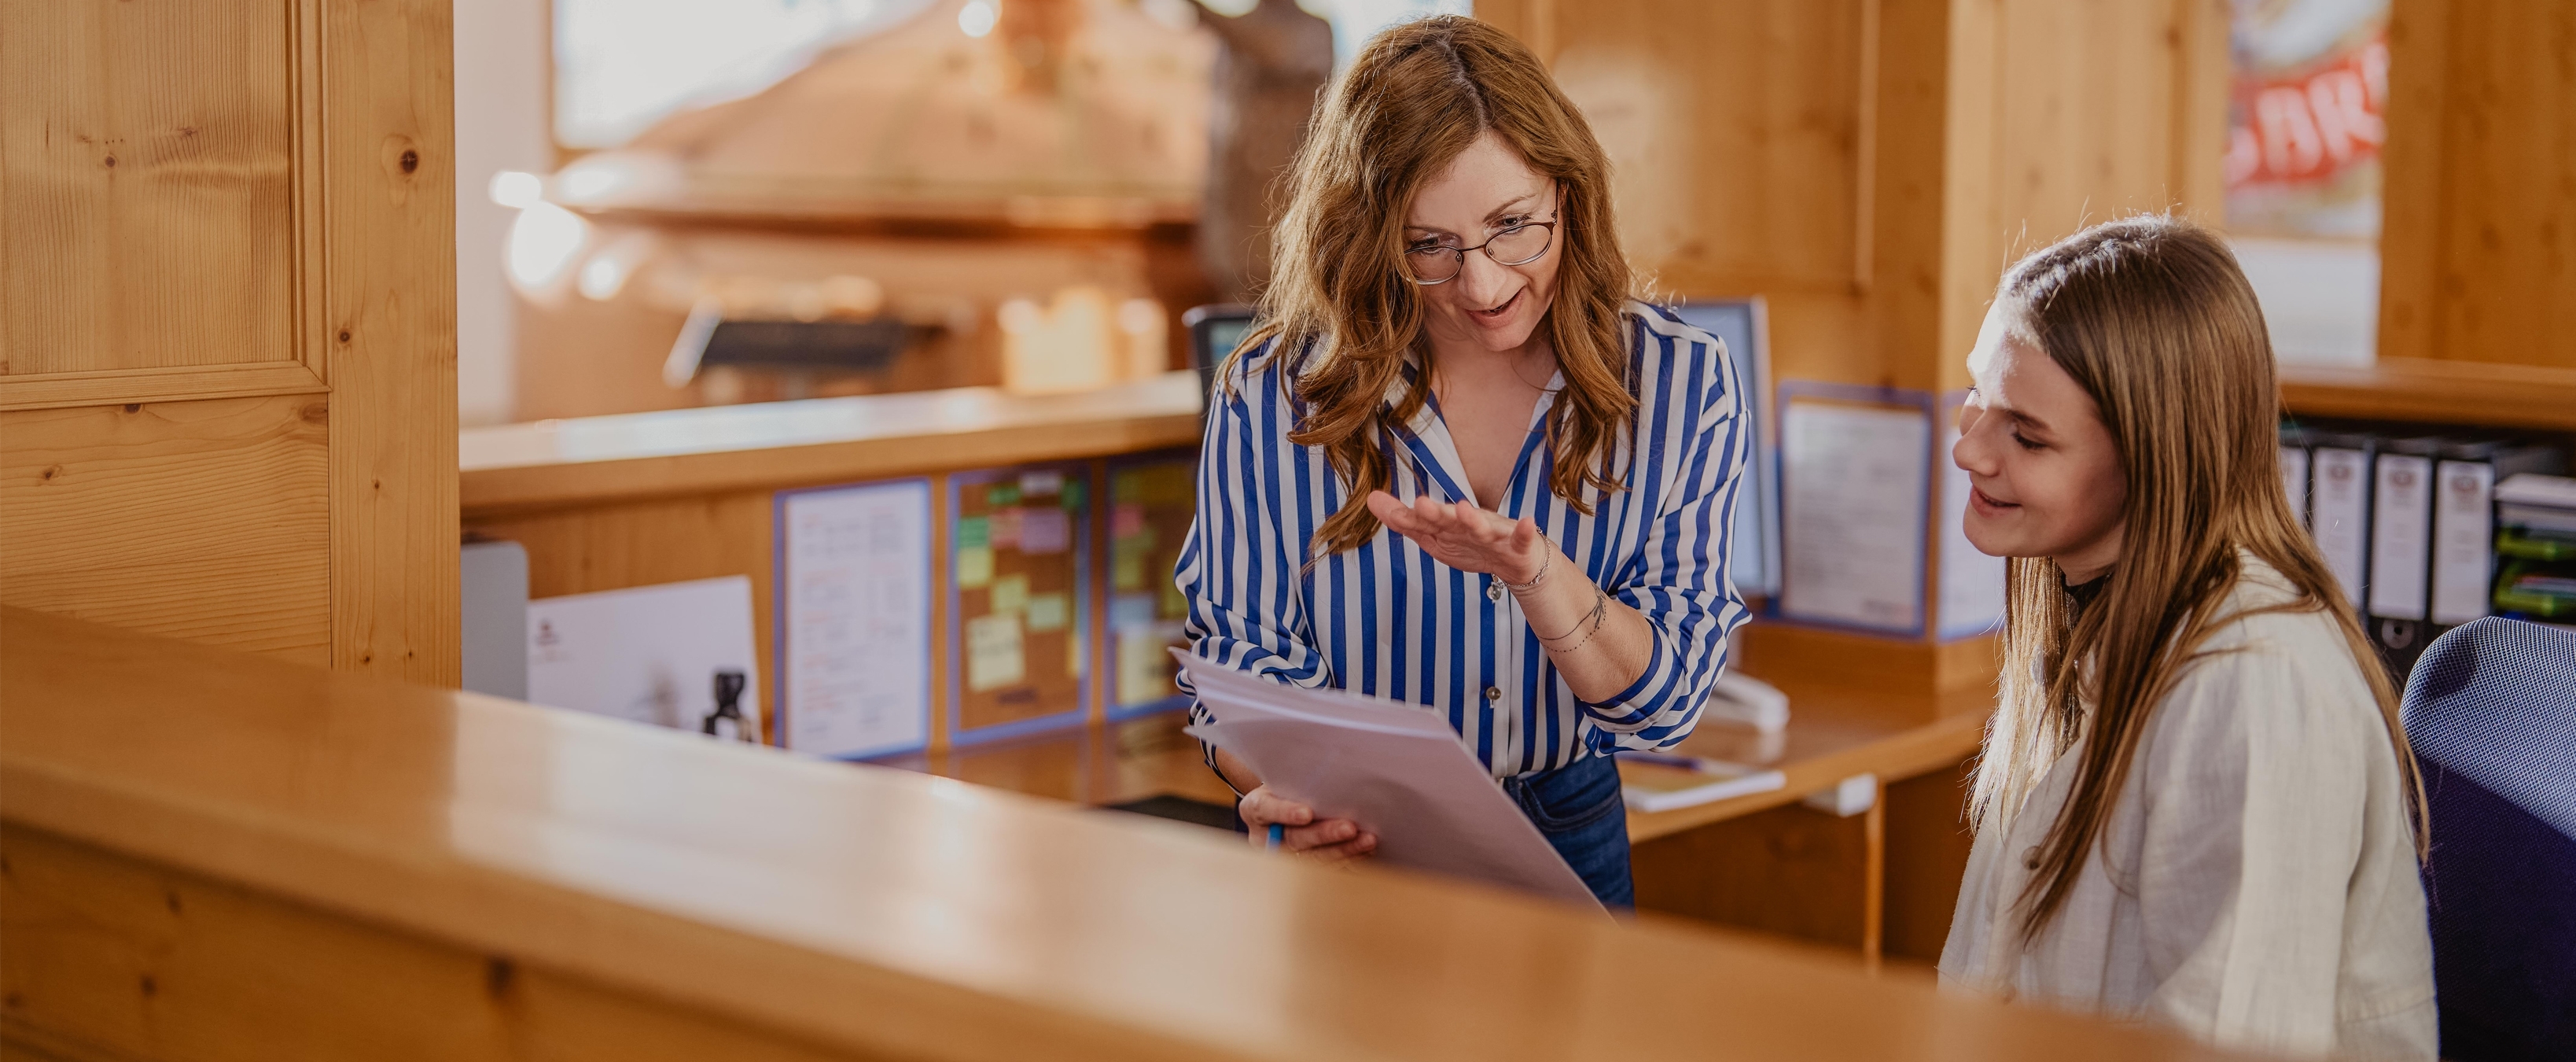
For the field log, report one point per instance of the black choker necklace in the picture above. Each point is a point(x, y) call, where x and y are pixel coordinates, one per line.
point(2083, 593)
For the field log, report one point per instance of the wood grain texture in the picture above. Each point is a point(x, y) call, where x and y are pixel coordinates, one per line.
point(204, 520)
point(2435, 391)
point(2480, 214)
point(592, 460)
point(860, 910)
point(1926, 858)
point(390, 302)
point(1791, 870)
point(116, 958)
point(147, 196)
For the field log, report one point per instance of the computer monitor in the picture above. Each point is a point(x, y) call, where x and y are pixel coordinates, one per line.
point(1214, 331)
point(1754, 560)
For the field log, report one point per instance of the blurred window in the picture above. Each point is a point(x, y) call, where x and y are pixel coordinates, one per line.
point(621, 65)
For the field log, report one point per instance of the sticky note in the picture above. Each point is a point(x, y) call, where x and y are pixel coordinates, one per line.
point(1044, 530)
point(1074, 494)
point(1010, 593)
point(1174, 605)
point(1006, 528)
point(1042, 483)
point(994, 657)
point(1048, 612)
point(1126, 519)
point(974, 531)
point(1002, 494)
point(974, 567)
point(1126, 570)
point(1144, 669)
point(1128, 611)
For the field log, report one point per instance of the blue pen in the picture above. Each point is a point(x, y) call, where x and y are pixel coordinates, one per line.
point(1278, 833)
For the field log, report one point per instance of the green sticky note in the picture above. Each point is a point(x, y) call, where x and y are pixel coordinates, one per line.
point(1127, 571)
point(1010, 593)
point(1003, 494)
point(1175, 606)
point(1049, 612)
point(974, 567)
point(974, 532)
point(1127, 486)
point(1074, 492)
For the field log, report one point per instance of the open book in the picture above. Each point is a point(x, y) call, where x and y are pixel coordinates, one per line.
point(1396, 769)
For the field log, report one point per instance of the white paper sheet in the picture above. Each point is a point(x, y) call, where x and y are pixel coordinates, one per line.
point(1972, 583)
point(2294, 481)
point(1395, 769)
point(857, 634)
point(1856, 479)
point(648, 654)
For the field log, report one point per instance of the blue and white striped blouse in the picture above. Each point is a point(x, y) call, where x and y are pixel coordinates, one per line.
point(1387, 619)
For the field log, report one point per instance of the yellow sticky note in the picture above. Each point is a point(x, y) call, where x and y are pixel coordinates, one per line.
point(1046, 612)
point(1011, 594)
point(994, 657)
point(1144, 667)
point(974, 567)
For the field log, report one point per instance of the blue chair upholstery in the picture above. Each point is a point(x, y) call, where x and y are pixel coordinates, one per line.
point(2491, 712)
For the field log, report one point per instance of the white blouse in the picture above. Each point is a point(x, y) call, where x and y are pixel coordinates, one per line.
point(2256, 883)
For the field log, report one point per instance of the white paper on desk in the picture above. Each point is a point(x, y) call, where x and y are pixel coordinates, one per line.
point(1395, 769)
point(647, 653)
point(1856, 480)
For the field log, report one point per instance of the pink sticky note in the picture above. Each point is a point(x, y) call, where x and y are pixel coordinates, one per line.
point(1126, 519)
point(1044, 530)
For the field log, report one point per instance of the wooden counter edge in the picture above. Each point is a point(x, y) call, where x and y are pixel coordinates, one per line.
point(508, 490)
point(1935, 744)
point(2431, 391)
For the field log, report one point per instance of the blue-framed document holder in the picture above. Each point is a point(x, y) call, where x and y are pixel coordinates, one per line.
point(853, 620)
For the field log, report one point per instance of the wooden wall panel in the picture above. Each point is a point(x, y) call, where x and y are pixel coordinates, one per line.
point(147, 207)
point(113, 958)
point(2480, 215)
point(204, 520)
point(246, 400)
point(1927, 858)
point(1791, 870)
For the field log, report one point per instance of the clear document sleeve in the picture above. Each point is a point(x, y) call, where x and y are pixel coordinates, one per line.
point(1395, 769)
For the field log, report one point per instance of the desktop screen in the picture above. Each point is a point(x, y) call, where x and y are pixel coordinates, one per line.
point(1755, 557)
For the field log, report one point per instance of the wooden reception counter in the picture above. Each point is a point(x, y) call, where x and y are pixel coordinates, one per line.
point(209, 855)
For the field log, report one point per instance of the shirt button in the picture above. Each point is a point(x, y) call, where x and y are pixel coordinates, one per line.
point(1493, 591)
point(2030, 859)
point(1493, 693)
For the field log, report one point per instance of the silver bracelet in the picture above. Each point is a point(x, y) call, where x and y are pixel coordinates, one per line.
point(1600, 608)
point(1545, 561)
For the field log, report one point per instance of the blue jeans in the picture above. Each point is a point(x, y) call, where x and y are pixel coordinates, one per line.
point(1577, 807)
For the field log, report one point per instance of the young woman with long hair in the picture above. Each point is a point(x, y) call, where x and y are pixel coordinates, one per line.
point(2195, 806)
point(1456, 463)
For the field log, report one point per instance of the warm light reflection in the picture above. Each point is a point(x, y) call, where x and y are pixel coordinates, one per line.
point(517, 189)
point(978, 18)
point(543, 243)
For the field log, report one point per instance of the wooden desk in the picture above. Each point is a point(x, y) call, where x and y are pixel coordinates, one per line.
point(209, 855)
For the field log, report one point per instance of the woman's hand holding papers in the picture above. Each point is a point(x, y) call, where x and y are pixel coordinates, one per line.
point(1325, 840)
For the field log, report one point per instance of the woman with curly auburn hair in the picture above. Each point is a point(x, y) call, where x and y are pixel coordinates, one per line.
point(1457, 463)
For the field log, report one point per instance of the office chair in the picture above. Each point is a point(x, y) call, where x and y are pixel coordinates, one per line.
point(1214, 331)
point(2491, 712)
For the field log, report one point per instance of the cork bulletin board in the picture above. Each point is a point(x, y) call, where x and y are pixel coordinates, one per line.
point(1019, 606)
point(1152, 499)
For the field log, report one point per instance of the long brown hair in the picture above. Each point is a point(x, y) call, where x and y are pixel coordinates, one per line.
point(2152, 317)
point(1414, 98)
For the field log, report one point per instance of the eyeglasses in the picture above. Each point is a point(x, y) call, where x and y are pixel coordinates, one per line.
point(1520, 244)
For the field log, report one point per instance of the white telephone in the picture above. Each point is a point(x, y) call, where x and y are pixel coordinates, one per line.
point(1748, 701)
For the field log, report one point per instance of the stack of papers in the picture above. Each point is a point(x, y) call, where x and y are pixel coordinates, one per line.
point(1395, 769)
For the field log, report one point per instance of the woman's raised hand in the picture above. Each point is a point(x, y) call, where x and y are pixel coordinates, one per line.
point(1465, 537)
point(1325, 840)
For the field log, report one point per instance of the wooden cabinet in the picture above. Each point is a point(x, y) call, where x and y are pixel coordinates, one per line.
point(227, 324)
